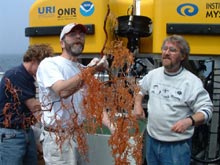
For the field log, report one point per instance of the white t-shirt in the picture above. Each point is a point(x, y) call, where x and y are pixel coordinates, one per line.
point(51, 70)
point(172, 98)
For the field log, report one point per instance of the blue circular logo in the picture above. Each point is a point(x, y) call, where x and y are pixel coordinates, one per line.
point(87, 8)
point(187, 9)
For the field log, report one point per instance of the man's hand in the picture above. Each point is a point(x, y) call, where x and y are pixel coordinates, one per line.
point(93, 62)
point(182, 125)
point(99, 64)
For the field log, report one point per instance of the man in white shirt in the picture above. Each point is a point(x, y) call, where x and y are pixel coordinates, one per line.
point(61, 93)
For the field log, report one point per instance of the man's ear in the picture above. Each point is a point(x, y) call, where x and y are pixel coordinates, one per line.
point(183, 57)
point(62, 44)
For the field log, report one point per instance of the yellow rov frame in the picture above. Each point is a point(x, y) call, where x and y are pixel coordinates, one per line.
point(198, 21)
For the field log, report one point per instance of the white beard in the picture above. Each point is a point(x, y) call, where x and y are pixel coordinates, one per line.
point(76, 50)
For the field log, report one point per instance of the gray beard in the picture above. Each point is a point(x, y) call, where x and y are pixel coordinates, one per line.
point(74, 50)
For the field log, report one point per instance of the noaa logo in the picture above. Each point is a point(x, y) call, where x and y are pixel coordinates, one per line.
point(187, 9)
point(87, 8)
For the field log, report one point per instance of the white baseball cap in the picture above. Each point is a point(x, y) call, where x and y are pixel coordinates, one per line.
point(70, 27)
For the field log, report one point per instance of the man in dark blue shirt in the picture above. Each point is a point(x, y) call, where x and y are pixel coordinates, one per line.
point(19, 108)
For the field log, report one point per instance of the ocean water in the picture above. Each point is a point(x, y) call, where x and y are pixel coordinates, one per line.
point(10, 60)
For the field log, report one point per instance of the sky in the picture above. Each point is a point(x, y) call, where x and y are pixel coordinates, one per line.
point(14, 17)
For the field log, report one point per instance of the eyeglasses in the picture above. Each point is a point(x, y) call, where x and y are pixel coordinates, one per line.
point(171, 49)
